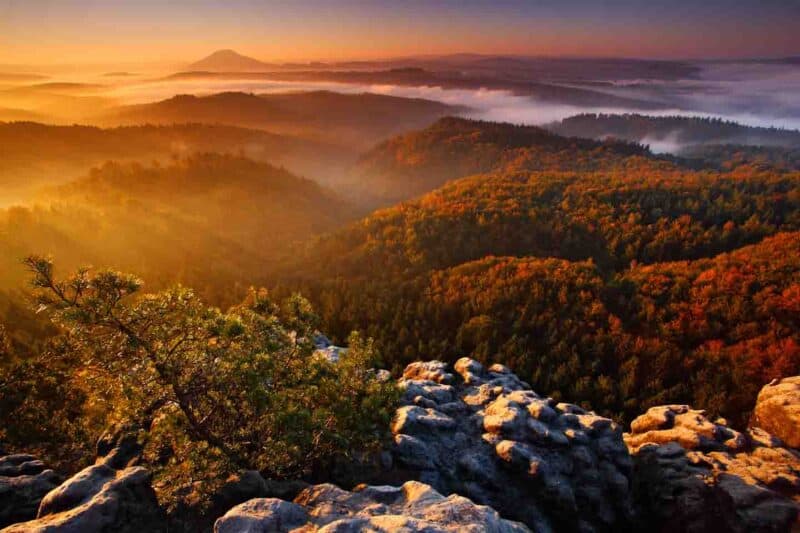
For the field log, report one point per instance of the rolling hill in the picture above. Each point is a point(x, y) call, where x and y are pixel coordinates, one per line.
point(584, 265)
point(673, 134)
point(213, 221)
point(33, 155)
point(354, 120)
point(418, 162)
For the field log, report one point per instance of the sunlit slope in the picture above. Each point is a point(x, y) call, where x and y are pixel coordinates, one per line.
point(710, 332)
point(644, 214)
point(627, 290)
point(587, 268)
point(215, 222)
point(33, 154)
point(418, 162)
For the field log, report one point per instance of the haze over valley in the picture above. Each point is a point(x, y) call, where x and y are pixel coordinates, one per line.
point(376, 266)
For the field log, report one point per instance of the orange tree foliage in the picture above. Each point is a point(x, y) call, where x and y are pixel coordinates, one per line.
point(641, 214)
point(558, 273)
point(418, 162)
point(709, 332)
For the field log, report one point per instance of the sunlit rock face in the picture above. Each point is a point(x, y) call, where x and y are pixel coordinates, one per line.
point(327, 508)
point(777, 410)
point(24, 481)
point(324, 348)
point(484, 434)
point(685, 426)
point(692, 474)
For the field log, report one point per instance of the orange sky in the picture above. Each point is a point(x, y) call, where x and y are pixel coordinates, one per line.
point(119, 32)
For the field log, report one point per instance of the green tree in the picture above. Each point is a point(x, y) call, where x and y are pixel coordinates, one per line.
point(245, 386)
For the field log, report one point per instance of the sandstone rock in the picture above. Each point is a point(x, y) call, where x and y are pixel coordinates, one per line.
point(485, 435)
point(262, 514)
point(98, 498)
point(237, 489)
point(692, 474)
point(24, 481)
point(777, 410)
point(688, 427)
point(434, 371)
point(327, 508)
point(196, 513)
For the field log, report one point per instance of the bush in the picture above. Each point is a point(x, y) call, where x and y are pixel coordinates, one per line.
point(226, 391)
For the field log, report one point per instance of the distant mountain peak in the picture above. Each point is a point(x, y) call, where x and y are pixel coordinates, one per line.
point(227, 60)
point(226, 53)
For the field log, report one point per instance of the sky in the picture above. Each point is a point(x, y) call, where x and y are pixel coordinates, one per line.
point(141, 31)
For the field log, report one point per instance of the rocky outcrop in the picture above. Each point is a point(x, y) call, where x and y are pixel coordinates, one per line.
point(777, 410)
point(484, 434)
point(323, 347)
point(24, 481)
point(195, 514)
point(98, 498)
point(327, 508)
point(508, 458)
point(683, 425)
point(692, 474)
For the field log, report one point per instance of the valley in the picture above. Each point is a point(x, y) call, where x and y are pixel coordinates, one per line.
point(398, 288)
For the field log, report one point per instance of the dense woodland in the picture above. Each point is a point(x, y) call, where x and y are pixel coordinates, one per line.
point(597, 271)
point(413, 164)
point(731, 156)
point(553, 271)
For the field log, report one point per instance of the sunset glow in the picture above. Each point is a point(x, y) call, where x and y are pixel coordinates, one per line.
point(514, 266)
point(87, 31)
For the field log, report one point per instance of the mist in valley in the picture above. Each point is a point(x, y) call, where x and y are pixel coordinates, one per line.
point(263, 262)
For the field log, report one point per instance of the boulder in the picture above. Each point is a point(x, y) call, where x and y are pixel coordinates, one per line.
point(98, 498)
point(484, 434)
point(327, 508)
point(692, 474)
point(688, 427)
point(24, 481)
point(198, 513)
point(777, 410)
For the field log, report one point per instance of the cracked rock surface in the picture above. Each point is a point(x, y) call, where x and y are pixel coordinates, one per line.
point(692, 474)
point(484, 434)
point(327, 508)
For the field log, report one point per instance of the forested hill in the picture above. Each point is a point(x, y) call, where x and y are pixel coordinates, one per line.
point(674, 131)
point(584, 271)
point(639, 213)
point(731, 156)
point(413, 164)
point(213, 221)
point(354, 120)
point(33, 154)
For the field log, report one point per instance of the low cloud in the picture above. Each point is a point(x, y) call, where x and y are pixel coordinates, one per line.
point(752, 94)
